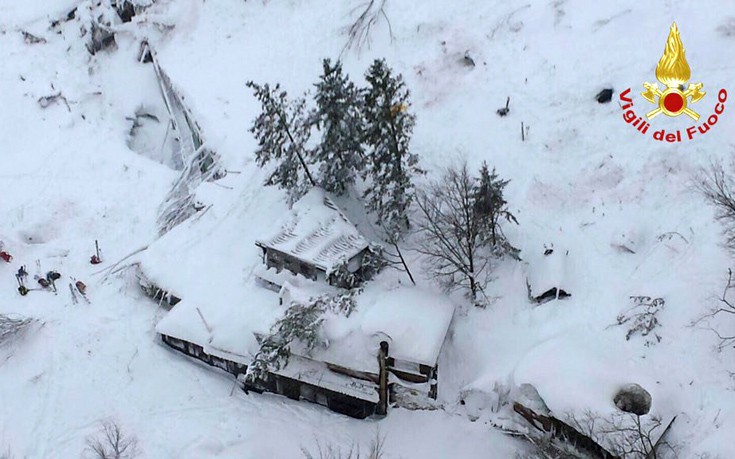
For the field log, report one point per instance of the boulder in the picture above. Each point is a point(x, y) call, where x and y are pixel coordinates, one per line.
point(632, 398)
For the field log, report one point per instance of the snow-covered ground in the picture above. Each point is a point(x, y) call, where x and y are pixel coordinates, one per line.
point(583, 179)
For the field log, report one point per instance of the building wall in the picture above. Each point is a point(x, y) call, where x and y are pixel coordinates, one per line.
point(280, 260)
point(291, 388)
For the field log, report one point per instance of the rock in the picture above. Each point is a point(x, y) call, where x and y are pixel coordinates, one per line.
point(604, 96)
point(467, 60)
point(632, 398)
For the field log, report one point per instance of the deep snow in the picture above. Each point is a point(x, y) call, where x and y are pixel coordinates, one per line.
point(584, 180)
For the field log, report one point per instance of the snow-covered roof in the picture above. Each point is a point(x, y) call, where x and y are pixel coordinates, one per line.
point(413, 321)
point(317, 233)
point(298, 286)
point(548, 269)
point(223, 329)
point(318, 374)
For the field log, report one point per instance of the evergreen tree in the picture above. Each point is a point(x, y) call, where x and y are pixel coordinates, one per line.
point(490, 207)
point(300, 326)
point(338, 116)
point(300, 323)
point(282, 130)
point(388, 128)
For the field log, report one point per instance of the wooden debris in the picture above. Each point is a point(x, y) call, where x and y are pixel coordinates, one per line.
point(32, 39)
point(504, 110)
point(563, 432)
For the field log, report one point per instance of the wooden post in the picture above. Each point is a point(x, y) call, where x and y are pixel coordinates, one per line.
point(523, 134)
point(433, 382)
point(383, 379)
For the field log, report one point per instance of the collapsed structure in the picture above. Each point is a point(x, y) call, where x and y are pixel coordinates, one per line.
point(390, 341)
point(191, 155)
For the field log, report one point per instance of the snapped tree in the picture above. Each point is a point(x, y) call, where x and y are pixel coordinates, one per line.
point(300, 325)
point(282, 130)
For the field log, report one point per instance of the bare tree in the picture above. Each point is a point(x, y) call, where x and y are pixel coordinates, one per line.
point(112, 443)
point(724, 308)
point(451, 232)
point(626, 435)
point(358, 34)
point(642, 318)
point(454, 226)
point(718, 188)
point(375, 450)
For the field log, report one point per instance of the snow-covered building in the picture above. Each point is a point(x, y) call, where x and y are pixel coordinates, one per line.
point(548, 275)
point(344, 374)
point(315, 239)
point(391, 338)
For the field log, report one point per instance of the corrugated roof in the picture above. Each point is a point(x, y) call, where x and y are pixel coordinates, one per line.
point(317, 233)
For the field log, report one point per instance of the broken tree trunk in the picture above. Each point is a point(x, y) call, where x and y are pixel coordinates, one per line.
point(661, 441)
point(562, 431)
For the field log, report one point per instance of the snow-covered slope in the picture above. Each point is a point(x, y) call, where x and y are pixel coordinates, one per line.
point(583, 179)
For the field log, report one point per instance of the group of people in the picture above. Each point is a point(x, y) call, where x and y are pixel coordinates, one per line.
point(47, 282)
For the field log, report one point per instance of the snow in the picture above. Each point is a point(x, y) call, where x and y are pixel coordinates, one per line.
point(318, 374)
point(317, 233)
point(223, 329)
point(414, 322)
point(583, 178)
point(549, 271)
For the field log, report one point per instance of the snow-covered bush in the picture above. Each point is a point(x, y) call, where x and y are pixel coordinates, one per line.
point(642, 318)
point(329, 450)
point(12, 328)
point(724, 308)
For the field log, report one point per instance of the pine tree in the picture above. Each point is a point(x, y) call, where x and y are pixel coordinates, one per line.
point(282, 130)
point(490, 207)
point(338, 116)
point(387, 136)
point(301, 324)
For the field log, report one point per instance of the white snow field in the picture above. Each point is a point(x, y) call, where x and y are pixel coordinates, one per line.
point(583, 180)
